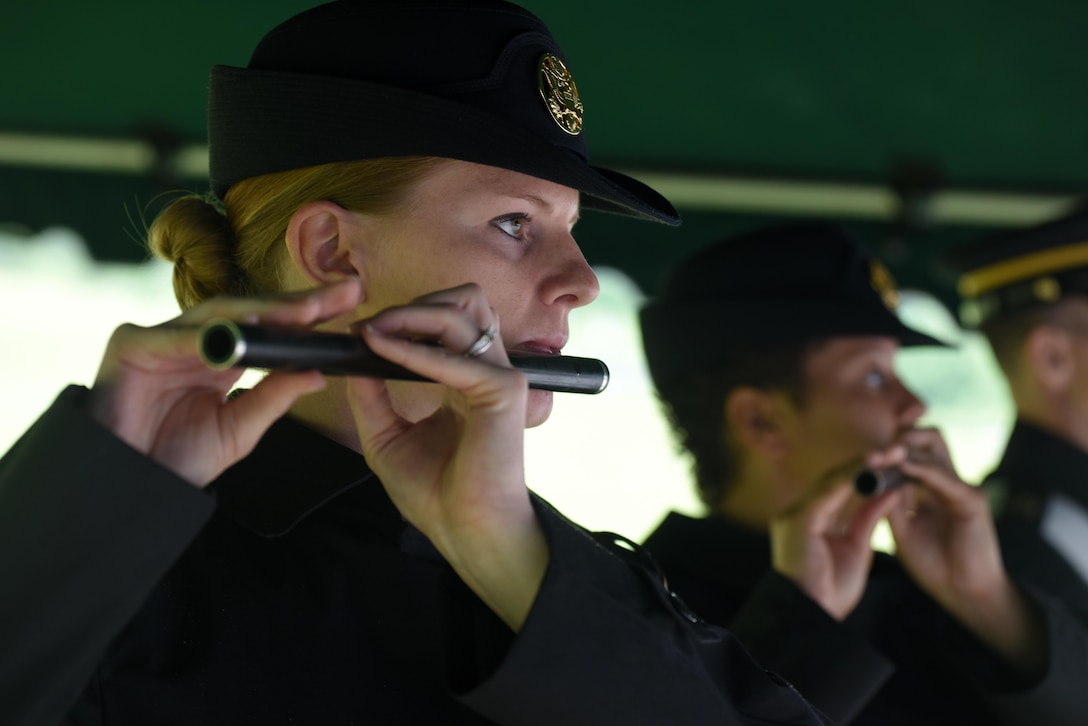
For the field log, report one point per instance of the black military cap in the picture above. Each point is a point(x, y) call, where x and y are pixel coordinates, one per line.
point(1023, 268)
point(794, 283)
point(475, 80)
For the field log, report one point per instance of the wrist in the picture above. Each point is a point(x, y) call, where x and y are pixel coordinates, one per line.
point(502, 560)
point(1007, 623)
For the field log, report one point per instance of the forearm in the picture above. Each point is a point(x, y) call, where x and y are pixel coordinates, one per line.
point(87, 527)
point(787, 632)
point(1057, 696)
point(605, 633)
point(1008, 624)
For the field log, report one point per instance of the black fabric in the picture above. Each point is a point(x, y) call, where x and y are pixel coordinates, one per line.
point(354, 80)
point(320, 606)
point(897, 659)
point(51, 593)
point(1036, 464)
point(799, 282)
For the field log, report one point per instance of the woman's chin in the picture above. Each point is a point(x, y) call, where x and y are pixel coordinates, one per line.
point(538, 408)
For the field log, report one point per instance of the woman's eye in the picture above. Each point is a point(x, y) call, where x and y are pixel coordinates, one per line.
point(513, 225)
point(875, 379)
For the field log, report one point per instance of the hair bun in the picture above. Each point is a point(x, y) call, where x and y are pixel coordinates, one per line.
point(197, 237)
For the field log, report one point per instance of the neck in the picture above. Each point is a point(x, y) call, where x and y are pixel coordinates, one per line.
point(750, 499)
point(1053, 411)
point(765, 490)
point(328, 413)
point(1062, 423)
point(1055, 407)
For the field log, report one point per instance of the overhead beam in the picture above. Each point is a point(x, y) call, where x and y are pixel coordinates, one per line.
point(109, 156)
point(860, 201)
point(696, 192)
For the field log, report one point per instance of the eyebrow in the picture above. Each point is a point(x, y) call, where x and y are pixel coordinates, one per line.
point(547, 206)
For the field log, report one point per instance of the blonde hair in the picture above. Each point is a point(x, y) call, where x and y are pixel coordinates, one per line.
point(235, 248)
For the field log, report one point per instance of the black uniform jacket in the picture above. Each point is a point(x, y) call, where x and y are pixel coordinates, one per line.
point(897, 659)
point(294, 593)
point(1040, 497)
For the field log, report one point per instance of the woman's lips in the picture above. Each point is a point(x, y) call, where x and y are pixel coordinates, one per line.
point(552, 346)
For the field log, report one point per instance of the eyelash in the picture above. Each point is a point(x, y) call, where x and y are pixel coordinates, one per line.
point(521, 219)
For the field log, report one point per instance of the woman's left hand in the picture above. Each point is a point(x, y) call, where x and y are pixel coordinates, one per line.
point(458, 474)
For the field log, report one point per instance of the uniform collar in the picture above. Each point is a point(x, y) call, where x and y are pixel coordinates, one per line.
point(713, 548)
point(293, 472)
point(1037, 462)
point(721, 551)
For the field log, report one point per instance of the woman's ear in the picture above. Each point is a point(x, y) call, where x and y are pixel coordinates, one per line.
point(322, 239)
point(753, 417)
point(1049, 354)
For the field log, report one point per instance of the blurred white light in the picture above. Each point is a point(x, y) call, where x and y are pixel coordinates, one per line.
point(607, 461)
point(962, 386)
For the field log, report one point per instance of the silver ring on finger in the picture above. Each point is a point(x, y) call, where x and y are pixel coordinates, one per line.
point(483, 343)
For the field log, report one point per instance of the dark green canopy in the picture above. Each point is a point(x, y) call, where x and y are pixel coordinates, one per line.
point(923, 123)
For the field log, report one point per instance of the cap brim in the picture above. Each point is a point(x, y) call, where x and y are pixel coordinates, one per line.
point(313, 120)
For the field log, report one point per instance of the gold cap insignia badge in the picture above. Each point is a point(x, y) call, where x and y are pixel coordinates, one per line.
point(559, 93)
point(884, 285)
point(1047, 289)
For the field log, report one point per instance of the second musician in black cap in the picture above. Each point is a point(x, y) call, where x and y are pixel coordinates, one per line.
point(1027, 292)
point(774, 353)
point(409, 171)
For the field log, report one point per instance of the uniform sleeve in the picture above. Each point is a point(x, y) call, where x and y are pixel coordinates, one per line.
point(87, 527)
point(1059, 697)
point(786, 631)
point(605, 642)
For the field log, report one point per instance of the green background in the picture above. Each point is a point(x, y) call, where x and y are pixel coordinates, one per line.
point(984, 94)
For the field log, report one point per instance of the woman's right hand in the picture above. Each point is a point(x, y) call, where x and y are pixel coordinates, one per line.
point(458, 474)
point(156, 394)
